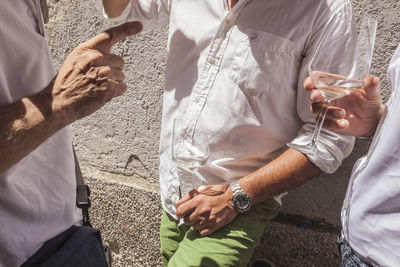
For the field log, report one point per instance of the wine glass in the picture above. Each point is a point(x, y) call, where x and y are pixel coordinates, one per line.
point(189, 152)
point(335, 73)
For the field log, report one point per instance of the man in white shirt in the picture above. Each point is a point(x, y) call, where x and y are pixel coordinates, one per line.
point(371, 208)
point(234, 73)
point(37, 171)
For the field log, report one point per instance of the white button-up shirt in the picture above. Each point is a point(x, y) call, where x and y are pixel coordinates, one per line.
point(371, 209)
point(37, 195)
point(237, 76)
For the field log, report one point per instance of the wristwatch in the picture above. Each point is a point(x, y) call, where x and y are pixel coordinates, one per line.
point(240, 201)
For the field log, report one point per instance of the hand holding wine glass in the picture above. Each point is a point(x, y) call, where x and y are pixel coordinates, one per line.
point(337, 69)
point(356, 114)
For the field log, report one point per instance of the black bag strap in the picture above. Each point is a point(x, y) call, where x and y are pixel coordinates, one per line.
point(83, 202)
point(82, 193)
point(45, 11)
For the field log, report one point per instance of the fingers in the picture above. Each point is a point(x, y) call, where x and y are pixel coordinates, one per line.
point(212, 190)
point(335, 125)
point(308, 83)
point(109, 60)
point(111, 73)
point(183, 210)
point(209, 227)
point(105, 40)
point(200, 224)
point(114, 82)
point(316, 96)
point(194, 218)
point(372, 87)
point(187, 204)
point(113, 89)
point(188, 196)
point(110, 82)
point(333, 112)
point(207, 231)
point(204, 223)
point(335, 117)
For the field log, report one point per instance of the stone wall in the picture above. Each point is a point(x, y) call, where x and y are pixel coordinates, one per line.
point(118, 148)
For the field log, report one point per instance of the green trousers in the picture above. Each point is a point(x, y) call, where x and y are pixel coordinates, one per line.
point(232, 245)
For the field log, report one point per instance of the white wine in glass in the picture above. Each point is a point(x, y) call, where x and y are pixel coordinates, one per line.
point(334, 86)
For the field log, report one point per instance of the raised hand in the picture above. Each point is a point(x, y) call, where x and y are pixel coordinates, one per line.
point(356, 114)
point(91, 75)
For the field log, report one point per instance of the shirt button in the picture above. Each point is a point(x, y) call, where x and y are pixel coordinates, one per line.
point(234, 77)
point(197, 99)
point(227, 20)
point(185, 135)
point(212, 60)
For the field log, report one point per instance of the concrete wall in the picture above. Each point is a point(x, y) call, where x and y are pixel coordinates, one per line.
point(118, 148)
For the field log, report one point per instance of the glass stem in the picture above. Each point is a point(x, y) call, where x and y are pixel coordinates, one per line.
point(318, 126)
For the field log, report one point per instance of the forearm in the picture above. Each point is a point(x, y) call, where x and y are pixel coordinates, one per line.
point(209, 208)
point(288, 171)
point(24, 125)
point(114, 8)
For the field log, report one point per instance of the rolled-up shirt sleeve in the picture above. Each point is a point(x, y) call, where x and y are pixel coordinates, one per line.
point(332, 147)
point(151, 14)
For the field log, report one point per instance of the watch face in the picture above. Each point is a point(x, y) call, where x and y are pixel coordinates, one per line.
point(242, 202)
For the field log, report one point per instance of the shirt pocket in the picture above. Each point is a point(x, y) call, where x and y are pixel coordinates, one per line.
point(270, 63)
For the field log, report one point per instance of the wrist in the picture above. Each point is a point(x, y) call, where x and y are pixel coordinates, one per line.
point(53, 113)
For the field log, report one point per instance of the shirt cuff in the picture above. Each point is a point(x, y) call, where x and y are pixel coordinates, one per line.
point(332, 148)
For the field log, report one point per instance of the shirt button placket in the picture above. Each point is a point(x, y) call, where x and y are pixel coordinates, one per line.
point(214, 60)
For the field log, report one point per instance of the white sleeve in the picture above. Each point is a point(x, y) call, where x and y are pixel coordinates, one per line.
point(151, 13)
point(332, 147)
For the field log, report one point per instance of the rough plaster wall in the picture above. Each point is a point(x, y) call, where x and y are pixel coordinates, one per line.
point(118, 147)
point(129, 218)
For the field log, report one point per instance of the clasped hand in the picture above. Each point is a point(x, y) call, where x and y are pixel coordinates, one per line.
point(207, 208)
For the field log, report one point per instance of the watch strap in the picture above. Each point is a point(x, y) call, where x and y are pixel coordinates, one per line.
point(236, 188)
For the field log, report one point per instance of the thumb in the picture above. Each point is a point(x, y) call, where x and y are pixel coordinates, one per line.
point(372, 88)
point(105, 40)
